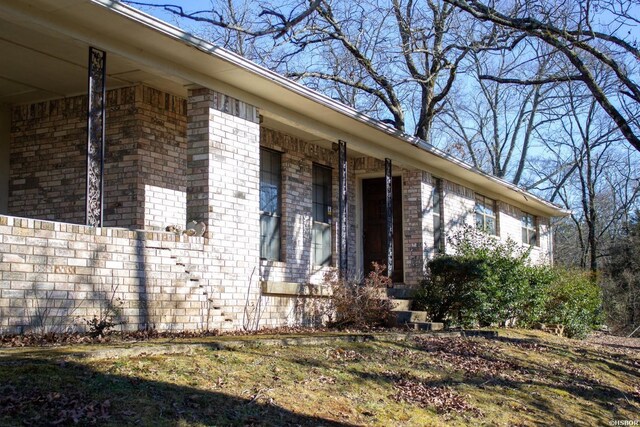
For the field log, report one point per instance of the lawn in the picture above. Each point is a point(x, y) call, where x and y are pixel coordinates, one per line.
point(520, 378)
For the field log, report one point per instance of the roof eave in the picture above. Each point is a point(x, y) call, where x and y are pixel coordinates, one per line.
point(320, 106)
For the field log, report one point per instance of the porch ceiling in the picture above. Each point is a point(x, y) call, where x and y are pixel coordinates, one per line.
point(45, 64)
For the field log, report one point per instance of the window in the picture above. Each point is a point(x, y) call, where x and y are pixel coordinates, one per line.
point(486, 215)
point(321, 239)
point(438, 216)
point(529, 229)
point(270, 202)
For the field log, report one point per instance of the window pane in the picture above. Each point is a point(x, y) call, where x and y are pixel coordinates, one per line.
point(437, 233)
point(270, 181)
point(479, 207)
point(529, 229)
point(490, 226)
point(270, 202)
point(321, 244)
point(490, 209)
point(269, 196)
point(479, 221)
point(321, 235)
point(269, 237)
point(486, 214)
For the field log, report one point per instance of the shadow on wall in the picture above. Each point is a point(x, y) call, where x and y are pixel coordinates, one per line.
point(43, 313)
point(143, 297)
point(82, 301)
point(311, 311)
point(457, 223)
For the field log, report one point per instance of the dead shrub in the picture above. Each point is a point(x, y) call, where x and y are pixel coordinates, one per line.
point(359, 305)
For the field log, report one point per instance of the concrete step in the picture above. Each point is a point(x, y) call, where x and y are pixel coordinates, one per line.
point(401, 304)
point(426, 326)
point(402, 317)
point(401, 293)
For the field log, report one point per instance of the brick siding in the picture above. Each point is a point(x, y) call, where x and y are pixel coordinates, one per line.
point(170, 160)
point(145, 145)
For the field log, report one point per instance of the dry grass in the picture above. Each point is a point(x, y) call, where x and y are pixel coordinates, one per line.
point(523, 378)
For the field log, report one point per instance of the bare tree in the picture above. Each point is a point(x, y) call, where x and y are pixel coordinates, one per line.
point(404, 55)
point(494, 126)
point(598, 182)
point(274, 21)
point(383, 58)
point(621, 287)
point(573, 31)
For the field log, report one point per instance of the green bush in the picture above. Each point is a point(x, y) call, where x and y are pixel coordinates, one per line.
point(536, 296)
point(503, 287)
point(449, 289)
point(489, 282)
point(575, 301)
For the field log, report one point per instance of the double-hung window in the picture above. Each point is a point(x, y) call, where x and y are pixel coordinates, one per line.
point(529, 229)
point(270, 204)
point(485, 211)
point(321, 239)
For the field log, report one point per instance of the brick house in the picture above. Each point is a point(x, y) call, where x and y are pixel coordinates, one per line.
point(289, 183)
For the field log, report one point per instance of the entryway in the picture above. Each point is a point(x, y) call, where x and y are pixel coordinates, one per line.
point(374, 220)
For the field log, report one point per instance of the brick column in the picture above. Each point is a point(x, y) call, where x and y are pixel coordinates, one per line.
point(223, 171)
point(418, 224)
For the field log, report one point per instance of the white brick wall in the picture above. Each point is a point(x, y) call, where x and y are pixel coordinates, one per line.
point(298, 157)
point(223, 191)
point(459, 204)
point(163, 207)
point(510, 227)
point(54, 275)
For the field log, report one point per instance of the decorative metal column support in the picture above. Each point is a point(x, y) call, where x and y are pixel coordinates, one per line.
point(388, 181)
point(95, 137)
point(342, 207)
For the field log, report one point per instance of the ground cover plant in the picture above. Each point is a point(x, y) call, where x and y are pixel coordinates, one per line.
point(522, 378)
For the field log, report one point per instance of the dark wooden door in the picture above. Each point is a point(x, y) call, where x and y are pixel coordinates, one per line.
point(375, 225)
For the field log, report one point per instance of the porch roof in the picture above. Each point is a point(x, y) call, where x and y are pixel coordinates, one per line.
point(42, 44)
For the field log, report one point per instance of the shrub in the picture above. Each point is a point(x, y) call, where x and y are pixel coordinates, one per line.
point(491, 282)
point(450, 287)
point(536, 296)
point(575, 301)
point(108, 317)
point(360, 305)
point(501, 290)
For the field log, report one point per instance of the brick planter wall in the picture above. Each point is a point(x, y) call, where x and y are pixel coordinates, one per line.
point(54, 275)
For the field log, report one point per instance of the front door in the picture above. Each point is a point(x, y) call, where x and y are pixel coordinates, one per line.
point(375, 225)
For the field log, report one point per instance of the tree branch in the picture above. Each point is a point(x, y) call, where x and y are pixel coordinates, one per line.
point(547, 80)
point(276, 31)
